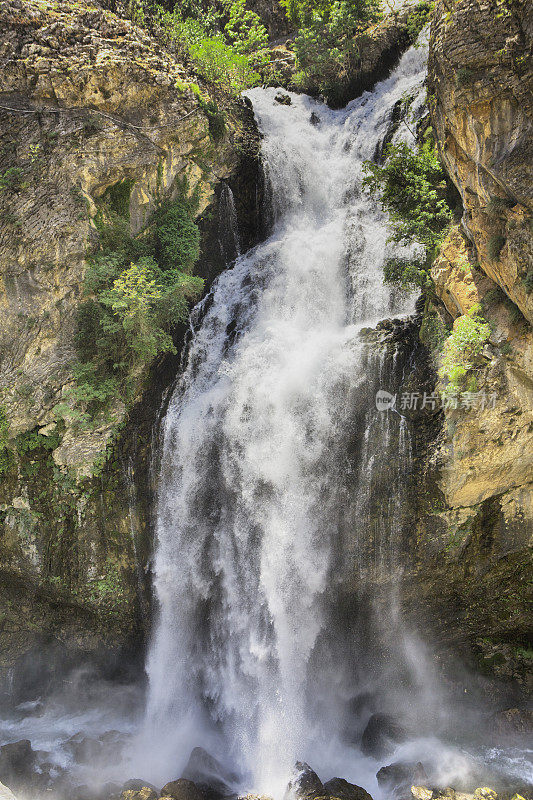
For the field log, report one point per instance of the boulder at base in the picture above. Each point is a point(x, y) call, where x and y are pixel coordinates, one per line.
point(143, 794)
point(210, 776)
point(182, 789)
point(338, 787)
point(400, 776)
point(17, 766)
point(305, 783)
point(381, 735)
point(5, 793)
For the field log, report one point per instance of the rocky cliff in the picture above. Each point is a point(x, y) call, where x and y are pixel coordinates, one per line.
point(96, 119)
point(475, 523)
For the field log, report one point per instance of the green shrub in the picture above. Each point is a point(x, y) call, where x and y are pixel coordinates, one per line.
point(11, 180)
point(433, 331)
point(215, 118)
point(245, 31)
point(527, 282)
point(418, 18)
point(137, 290)
point(213, 58)
point(495, 246)
point(177, 238)
point(464, 76)
point(407, 274)
point(497, 205)
point(462, 350)
point(5, 453)
point(412, 187)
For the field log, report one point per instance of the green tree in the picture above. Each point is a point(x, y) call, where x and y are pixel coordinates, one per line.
point(412, 187)
point(325, 48)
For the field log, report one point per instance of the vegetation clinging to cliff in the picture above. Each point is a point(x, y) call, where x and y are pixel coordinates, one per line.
point(137, 291)
point(411, 186)
point(325, 45)
point(461, 352)
point(224, 44)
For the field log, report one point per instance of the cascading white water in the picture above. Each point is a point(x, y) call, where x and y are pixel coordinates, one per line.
point(254, 441)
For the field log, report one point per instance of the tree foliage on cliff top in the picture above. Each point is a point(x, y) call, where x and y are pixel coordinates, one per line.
point(224, 43)
point(325, 47)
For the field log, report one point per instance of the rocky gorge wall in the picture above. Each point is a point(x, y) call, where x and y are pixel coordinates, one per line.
point(90, 106)
point(472, 580)
point(92, 112)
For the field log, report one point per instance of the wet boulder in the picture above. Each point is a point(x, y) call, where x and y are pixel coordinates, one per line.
point(314, 119)
point(421, 793)
point(283, 99)
point(84, 749)
point(146, 793)
point(109, 791)
point(5, 793)
point(398, 778)
point(305, 783)
point(136, 785)
point(211, 777)
point(381, 735)
point(514, 721)
point(18, 763)
point(340, 788)
point(182, 789)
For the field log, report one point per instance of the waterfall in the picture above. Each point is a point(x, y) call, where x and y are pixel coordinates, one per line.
point(272, 446)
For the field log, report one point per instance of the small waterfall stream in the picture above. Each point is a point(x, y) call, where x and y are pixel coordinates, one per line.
point(271, 448)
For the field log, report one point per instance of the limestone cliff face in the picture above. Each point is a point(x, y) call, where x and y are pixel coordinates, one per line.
point(481, 95)
point(474, 536)
point(89, 103)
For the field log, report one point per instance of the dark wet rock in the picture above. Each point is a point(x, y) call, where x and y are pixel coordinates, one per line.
point(421, 793)
point(338, 787)
point(136, 784)
point(5, 793)
point(109, 791)
point(314, 119)
point(283, 99)
point(182, 789)
point(381, 735)
point(84, 749)
point(398, 778)
point(146, 793)
point(305, 783)
point(18, 766)
point(113, 744)
point(210, 776)
point(514, 721)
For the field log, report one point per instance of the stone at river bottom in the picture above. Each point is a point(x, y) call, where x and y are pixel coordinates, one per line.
point(84, 749)
point(182, 789)
point(5, 793)
point(340, 788)
point(144, 794)
point(17, 765)
point(305, 783)
point(381, 735)
point(211, 777)
point(398, 777)
point(421, 792)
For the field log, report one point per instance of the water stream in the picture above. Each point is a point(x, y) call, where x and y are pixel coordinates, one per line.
point(271, 445)
point(284, 495)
